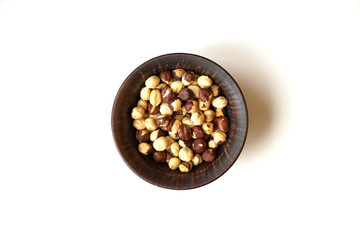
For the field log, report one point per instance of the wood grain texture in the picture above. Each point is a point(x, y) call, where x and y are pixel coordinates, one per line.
point(160, 174)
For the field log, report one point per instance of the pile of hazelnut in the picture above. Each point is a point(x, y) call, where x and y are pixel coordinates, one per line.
point(180, 119)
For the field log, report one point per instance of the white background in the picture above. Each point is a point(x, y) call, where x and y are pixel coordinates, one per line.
point(62, 62)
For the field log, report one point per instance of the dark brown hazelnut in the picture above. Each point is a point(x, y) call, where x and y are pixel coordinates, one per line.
point(208, 155)
point(186, 94)
point(171, 123)
point(223, 124)
point(177, 73)
point(207, 137)
point(165, 76)
point(153, 110)
point(184, 132)
point(143, 135)
point(184, 143)
point(205, 94)
point(198, 132)
point(159, 156)
point(199, 145)
point(188, 78)
point(167, 94)
point(162, 121)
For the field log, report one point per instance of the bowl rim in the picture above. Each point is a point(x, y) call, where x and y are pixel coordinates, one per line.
point(179, 187)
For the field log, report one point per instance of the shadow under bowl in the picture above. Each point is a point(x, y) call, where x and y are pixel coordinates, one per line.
point(159, 173)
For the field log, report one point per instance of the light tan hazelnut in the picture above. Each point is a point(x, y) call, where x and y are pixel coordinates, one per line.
point(186, 154)
point(175, 127)
point(152, 82)
point(219, 112)
point(161, 86)
point(192, 106)
point(174, 149)
point(174, 163)
point(155, 97)
point(170, 141)
point(145, 93)
point(215, 89)
point(176, 86)
point(177, 73)
point(197, 118)
point(219, 137)
point(139, 124)
point(220, 102)
point(175, 104)
point(196, 160)
point(212, 144)
point(204, 81)
point(137, 113)
point(174, 135)
point(187, 121)
point(145, 148)
point(165, 109)
point(150, 124)
point(179, 117)
point(155, 134)
point(160, 144)
point(195, 89)
point(208, 127)
point(209, 115)
point(143, 104)
point(185, 167)
point(203, 106)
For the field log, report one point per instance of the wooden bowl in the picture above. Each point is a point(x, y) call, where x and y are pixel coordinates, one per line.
point(159, 173)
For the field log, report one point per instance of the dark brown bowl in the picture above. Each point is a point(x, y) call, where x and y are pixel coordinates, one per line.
point(159, 173)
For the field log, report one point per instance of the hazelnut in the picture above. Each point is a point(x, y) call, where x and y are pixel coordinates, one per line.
point(204, 81)
point(205, 94)
point(184, 132)
point(212, 144)
point(198, 132)
point(156, 134)
point(209, 115)
point(176, 86)
point(165, 109)
point(174, 163)
point(161, 86)
point(145, 148)
point(219, 137)
point(220, 102)
point(175, 104)
point(186, 154)
point(159, 156)
point(186, 94)
point(174, 149)
point(223, 124)
point(155, 97)
point(185, 167)
point(220, 112)
point(175, 127)
point(208, 127)
point(153, 110)
point(142, 135)
point(203, 106)
point(137, 113)
point(196, 160)
point(160, 144)
point(167, 94)
point(216, 91)
point(195, 89)
point(143, 104)
point(145, 93)
point(152, 82)
point(188, 78)
point(179, 117)
point(197, 118)
point(187, 121)
point(199, 145)
point(150, 124)
point(168, 157)
point(174, 135)
point(182, 111)
point(170, 141)
point(192, 106)
point(208, 155)
point(139, 124)
point(171, 122)
point(177, 73)
point(162, 121)
point(184, 143)
point(165, 76)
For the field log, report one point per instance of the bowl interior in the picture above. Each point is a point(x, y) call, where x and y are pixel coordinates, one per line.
point(159, 173)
